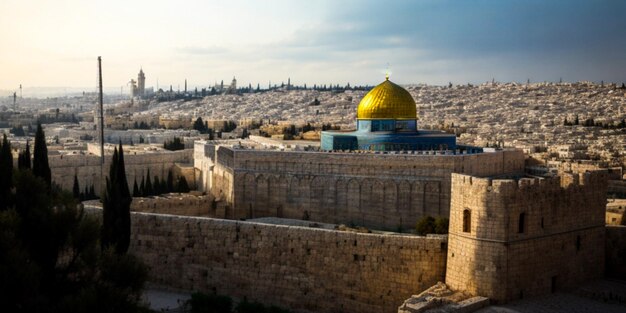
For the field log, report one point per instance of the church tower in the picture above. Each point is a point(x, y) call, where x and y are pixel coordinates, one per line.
point(141, 84)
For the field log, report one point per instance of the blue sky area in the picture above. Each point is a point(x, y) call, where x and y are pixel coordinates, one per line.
point(55, 43)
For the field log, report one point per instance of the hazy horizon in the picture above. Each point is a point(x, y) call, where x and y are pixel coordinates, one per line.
point(56, 44)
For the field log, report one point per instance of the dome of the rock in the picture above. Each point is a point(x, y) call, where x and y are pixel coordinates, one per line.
point(387, 101)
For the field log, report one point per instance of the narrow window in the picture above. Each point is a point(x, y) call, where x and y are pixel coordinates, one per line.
point(522, 218)
point(578, 243)
point(467, 221)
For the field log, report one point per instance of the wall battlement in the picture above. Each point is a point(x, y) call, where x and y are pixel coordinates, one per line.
point(508, 237)
point(589, 180)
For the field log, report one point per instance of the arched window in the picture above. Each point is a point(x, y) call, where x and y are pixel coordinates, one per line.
point(520, 225)
point(467, 221)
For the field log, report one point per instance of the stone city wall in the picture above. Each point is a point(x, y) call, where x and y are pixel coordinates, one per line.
point(508, 238)
point(87, 167)
point(383, 191)
point(304, 269)
point(616, 252)
point(174, 203)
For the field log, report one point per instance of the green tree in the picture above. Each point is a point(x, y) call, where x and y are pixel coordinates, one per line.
point(6, 176)
point(23, 159)
point(149, 190)
point(76, 188)
point(441, 225)
point(426, 225)
point(182, 185)
point(170, 181)
point(156, 185)
point(174, 145)
point(142, 187)
point(116, 202)
point(200, 126)
point(50, 261)
point(41, 168)
point(136, 192)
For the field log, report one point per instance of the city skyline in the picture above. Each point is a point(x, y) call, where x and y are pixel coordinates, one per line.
point(433, 42)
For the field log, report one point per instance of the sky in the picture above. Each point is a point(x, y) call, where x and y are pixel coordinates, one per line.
point(56, 43)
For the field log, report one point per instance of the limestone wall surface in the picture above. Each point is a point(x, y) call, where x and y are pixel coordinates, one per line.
point(616, 252)
point(515, 238)
point(305, 269)
point(87, 167)
point(382, 191)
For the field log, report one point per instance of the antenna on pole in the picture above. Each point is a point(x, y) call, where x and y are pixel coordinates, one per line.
point(101, 121)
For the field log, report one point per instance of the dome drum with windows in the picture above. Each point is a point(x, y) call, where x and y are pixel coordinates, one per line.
point(387, 121)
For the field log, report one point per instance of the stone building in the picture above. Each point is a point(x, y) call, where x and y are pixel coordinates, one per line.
point(396, 175)
point(387, 121)
point(519, 237)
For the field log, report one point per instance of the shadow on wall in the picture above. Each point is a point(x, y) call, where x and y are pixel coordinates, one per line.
point(616, 252)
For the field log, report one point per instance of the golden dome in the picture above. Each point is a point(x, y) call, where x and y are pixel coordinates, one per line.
point(387, 101)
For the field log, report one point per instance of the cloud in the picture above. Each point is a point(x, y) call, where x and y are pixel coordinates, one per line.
point(203, 50)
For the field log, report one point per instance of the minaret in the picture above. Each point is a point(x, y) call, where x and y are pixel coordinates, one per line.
point(141, 84)
point(185, 85)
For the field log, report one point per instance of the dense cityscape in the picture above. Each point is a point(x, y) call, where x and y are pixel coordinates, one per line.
point(290, 156)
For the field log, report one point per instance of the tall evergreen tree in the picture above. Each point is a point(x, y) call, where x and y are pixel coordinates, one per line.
point(76, 188)
point(149, 191)
point(170, 181)
point(142, 187)
point(6, 176)
point(41, 168)
point(116, 206)
point(156, 185)
point(182, 184)
point(23, 159)
point(136, 189)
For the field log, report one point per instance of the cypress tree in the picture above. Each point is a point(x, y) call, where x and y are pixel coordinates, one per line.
point(116, 202)
point(76, 188)
point(157, 185)
point(6, 170)
point(136, 189)
point(23, 159)
point(182, 184)
point(41, 168)
point(149, 189)
point(170, 181)
point(142, 187)
point(163, 187)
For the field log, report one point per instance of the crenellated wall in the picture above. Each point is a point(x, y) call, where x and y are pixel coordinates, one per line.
point(511, 238)
point(383, 191)
point(301, 268)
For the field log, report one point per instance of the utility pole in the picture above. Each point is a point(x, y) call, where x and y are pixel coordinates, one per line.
point(101, 122)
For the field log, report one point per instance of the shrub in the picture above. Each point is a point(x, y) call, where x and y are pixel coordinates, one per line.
point(426, 225)
point(441, 225)
point(210, 303)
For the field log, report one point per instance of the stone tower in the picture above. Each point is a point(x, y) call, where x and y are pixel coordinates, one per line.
point(141, 84)
point(511, 238)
